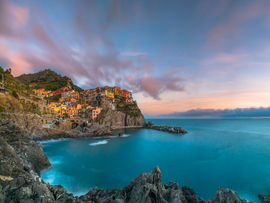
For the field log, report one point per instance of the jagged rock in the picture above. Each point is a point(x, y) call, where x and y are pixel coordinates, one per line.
point(171, 193)
point(87, 130)
point(121, 135)
point(190, 195)
point(170, 129)
point(171, 185)
point(146, 188)
point(99, 132)
point(150, 123)
point(264, 198)
point(225, 196)
point(79, 128)
point(21, 162)
point(60, 194)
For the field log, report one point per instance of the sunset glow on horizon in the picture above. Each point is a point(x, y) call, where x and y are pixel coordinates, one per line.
point(174, 56)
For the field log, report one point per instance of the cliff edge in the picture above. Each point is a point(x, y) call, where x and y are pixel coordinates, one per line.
point(126, 115)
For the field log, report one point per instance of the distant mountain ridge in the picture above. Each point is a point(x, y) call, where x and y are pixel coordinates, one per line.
point(48, 80)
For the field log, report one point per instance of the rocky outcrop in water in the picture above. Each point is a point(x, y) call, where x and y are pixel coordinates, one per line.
point(264, 198)
point(148, 188)
point(170, 129)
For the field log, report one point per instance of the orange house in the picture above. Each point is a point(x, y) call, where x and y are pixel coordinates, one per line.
point(95, 112)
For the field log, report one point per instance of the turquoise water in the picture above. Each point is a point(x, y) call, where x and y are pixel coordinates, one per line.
point(231, 153)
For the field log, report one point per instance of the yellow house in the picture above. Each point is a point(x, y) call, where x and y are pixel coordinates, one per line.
point(57, 109)
point(52, 105)
point(110, 94)
point(63, 107)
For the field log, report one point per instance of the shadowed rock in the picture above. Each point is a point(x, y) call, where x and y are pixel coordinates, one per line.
point(264, 198)
point(227, 195)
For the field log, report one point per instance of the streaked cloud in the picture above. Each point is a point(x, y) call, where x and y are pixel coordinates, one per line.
point(132, 53)
point(98, 61)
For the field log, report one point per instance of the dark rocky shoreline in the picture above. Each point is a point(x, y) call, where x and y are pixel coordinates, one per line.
point(169, 129)
point(22, 160)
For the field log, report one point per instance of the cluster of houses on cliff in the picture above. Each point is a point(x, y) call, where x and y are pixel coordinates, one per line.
point(43, 93)
point(86, 104)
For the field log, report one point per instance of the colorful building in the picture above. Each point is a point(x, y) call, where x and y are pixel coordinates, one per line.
point(95, 112)
point(60, 91)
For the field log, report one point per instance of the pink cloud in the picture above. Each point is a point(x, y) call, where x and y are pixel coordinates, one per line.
point(12, 19)
point(153, 86)
point(224, 58)
point(42, 47)
point(233, 26)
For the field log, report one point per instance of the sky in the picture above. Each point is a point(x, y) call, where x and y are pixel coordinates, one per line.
point(175, 56)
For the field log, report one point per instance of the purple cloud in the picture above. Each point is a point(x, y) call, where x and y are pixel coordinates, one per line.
point(94, 60)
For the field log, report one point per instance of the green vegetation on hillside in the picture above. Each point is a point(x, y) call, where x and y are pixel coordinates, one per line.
point(130, 108)
point(12, 84)
point(54, 98)
point(10, 104)
point(47, 79)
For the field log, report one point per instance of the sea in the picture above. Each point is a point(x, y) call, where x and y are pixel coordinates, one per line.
point(228, 153)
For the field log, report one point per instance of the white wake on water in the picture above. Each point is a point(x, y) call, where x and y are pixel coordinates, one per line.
point(99, 142)
point(52, 141)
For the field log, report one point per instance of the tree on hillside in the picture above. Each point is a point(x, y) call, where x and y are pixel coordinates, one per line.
point(2, 70)
point(8, 71)
point(14, 94)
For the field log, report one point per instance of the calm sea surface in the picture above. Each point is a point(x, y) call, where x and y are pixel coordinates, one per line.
point(231, 153)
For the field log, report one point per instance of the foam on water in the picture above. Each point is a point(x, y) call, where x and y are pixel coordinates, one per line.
point(56, 160)
point(52, 141)
point(99, 142)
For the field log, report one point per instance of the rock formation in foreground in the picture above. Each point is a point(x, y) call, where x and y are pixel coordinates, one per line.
point(22, 159)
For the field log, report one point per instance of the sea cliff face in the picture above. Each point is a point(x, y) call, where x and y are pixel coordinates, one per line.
point(33, 126)
point(118, 120)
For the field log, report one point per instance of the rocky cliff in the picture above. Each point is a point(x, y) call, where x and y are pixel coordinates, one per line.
point(33, 126)
point(126, 115)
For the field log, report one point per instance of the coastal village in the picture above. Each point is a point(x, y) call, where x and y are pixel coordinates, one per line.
point(85, 104)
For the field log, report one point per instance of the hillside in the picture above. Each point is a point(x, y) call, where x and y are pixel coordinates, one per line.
point(48, 80)
point(12, 84)
point(10, 103)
